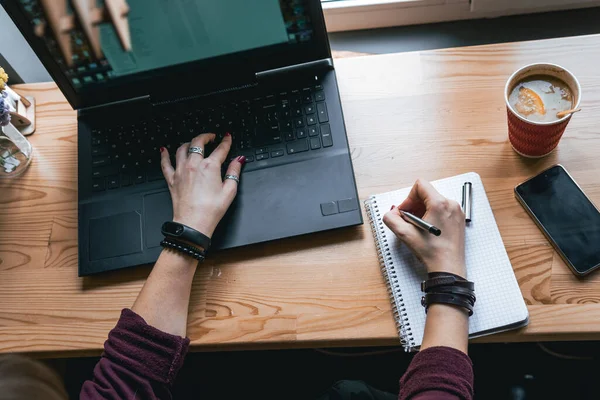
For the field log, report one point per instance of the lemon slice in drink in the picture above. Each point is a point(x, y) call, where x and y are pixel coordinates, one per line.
point(529, 102)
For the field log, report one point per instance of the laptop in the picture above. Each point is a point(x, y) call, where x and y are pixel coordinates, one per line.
point(147, 73)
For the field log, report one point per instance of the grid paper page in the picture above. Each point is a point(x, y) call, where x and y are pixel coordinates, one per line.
point(499, 301)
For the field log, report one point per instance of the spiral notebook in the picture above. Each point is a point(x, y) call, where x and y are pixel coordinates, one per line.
point(500, 305)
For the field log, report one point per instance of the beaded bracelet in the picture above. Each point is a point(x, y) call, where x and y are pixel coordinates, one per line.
point(184, 248)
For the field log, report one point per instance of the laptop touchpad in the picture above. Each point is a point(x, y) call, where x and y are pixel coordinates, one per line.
point(115, 235)
point(157, 209)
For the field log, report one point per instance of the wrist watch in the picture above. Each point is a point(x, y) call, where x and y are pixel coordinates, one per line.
point(183, 232)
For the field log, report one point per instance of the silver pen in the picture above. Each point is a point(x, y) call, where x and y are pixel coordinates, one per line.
point(467, 200)
point(419, 223)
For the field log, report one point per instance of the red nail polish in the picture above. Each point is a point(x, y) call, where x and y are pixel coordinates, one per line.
point(392, 208)
point(242, 160)
point(162, 149)
point(227, 134)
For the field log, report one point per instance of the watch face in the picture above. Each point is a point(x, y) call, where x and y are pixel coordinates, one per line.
point(173, 228)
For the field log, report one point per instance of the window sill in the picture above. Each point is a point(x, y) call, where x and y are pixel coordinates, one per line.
point(367, 14)
point(350, 15)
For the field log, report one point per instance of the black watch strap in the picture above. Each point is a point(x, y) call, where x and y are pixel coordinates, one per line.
point(183, 232)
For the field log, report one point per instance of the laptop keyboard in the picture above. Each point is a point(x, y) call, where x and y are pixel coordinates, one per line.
point(269, 127)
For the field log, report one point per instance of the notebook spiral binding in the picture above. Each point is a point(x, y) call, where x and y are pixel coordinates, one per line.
point(389, 273)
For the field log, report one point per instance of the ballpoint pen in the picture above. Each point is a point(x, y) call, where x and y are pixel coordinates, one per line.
point(419, 223)
point(467, 200)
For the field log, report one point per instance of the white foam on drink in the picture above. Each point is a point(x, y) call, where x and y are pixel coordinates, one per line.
point(555, 95)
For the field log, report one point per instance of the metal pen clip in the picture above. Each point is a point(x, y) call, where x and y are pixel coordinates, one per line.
point(467, 200)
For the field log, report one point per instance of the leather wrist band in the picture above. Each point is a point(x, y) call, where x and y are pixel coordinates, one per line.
point(438, 274)
point(183, 248)
point(181, 232)
point(445, 298)
point(448, 288)
point(436, 279)
point(469, 295)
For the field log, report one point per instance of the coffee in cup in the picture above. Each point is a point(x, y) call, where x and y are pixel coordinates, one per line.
point(539, 97)
point(534, 94)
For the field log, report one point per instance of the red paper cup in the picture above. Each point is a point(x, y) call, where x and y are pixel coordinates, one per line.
point(537, 139)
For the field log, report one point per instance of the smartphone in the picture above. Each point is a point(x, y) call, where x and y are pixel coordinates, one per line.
point(568, 218)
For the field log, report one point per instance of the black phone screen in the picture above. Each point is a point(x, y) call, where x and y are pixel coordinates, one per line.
point(565, 213)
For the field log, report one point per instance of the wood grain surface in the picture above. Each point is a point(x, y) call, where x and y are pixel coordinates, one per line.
point(427, 114)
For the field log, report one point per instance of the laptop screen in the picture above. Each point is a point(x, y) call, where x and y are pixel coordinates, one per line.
point(119, 40)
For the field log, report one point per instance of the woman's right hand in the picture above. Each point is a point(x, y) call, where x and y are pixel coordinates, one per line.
point(444, 253)
point(200, 196)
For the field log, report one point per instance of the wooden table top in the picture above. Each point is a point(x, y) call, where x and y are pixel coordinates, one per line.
point(325, 289)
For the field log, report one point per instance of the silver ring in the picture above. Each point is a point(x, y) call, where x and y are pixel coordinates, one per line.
point(197, 150)
point(233, 177)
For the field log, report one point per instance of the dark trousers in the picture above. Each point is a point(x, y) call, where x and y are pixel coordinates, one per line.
point(355, 390)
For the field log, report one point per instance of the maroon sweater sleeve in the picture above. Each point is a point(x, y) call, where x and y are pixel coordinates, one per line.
point(438, 373)
point(139, 362)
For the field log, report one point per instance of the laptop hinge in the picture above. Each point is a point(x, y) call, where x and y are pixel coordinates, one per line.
point(82, 111)
point(326, 63)
point(158, 102)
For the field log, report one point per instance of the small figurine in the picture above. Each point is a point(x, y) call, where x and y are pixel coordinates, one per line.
point(15, 151)
point(21, 109)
